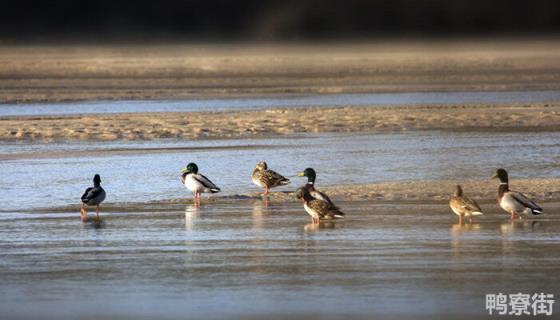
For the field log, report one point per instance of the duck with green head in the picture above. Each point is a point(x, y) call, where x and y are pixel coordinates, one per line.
point(196, 182)
point(310, 186)
point(317, 209)
point(512, 201)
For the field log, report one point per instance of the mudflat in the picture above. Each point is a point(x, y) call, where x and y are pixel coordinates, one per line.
point(160, 72)
point(282, 121)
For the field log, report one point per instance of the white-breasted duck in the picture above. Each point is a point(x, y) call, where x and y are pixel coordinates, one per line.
point(267, 179)
point(512, 201)
point(464, 206)
point(196, 182)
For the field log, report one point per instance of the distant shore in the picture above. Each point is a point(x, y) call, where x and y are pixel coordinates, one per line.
point(282, 121)
point(31, 74)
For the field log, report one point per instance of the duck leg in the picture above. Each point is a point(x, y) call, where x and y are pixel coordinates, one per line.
point(97, 212)
point(512, 215)
point(265, 190)
point(83, 213)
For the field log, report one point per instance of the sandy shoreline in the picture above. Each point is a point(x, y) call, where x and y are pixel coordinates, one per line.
point(74, 73)
point(484, 191)
point(282, 121)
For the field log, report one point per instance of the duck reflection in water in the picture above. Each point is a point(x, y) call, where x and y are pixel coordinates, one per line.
point(94, 224)
point(192, 212)
point(459, 228)
point(313, 227)
point(510, 227)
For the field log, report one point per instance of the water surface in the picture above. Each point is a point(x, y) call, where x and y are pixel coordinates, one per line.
point(319, 100)
point(246, 259)
point(56, 174)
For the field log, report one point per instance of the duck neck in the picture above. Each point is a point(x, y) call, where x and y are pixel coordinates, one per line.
point(503, 188)
point(310, 183)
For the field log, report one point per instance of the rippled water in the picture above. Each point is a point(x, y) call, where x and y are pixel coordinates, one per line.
point(55, 174)
point(245, 259)
point(322, 100)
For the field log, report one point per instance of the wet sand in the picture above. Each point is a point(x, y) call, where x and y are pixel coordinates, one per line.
point(50, 73)
point(283, 121)
point(545, 191)
point(249, 260)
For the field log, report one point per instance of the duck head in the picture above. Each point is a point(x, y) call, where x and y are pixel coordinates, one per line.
point(502, 175)
point(309, 173)
point(458, 191)
point(96, 180)
point(261, 165)
point(190, 168)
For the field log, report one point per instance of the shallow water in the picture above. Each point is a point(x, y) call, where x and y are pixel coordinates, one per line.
point(36, 175)
point(322, 100)
point(246, 259)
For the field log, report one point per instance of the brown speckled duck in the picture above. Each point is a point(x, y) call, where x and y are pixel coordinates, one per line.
point(318, 209)
point(263, 177)
point(464, 206)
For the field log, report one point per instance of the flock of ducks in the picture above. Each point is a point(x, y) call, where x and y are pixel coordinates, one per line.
point(316, 203)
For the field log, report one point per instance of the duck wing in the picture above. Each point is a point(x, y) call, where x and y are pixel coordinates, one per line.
point(470, 204)
point(521, 198)
point(322, 196)
point(324, 210)
point(91, 193)
point(274, 179)
point(206, 182)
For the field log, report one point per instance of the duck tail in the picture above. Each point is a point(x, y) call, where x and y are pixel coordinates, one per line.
point(477, 213)
point(536, 211)
point(215, 190)
point(284, 182)
point(338, 214)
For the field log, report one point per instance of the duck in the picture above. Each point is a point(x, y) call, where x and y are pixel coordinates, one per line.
point(514, 202)
point(196, 182)
point(310, 186)
point(267, 179)
point(464, 206)
point(93, 196)
point(318, 209)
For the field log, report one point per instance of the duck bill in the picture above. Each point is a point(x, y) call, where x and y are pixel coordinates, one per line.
point(301, 174)
point(494, 176)
point(184, 170)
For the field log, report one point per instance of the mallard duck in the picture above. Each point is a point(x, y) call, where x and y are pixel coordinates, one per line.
point(310, 186)
point(463, 205)
point(267, 179)
point(93, 196)
point(512, 201)
point(318, 209)
point(196, 182)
